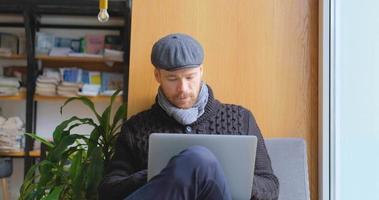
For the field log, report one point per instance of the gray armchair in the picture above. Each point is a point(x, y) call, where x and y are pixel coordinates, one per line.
point(289, 162)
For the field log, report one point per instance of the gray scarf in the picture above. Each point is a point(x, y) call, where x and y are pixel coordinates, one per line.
point(185, 116)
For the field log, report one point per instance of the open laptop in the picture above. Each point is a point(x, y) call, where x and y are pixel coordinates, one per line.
point(236, 154)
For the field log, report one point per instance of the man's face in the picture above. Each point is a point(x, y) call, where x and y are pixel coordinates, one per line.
point(181, 87)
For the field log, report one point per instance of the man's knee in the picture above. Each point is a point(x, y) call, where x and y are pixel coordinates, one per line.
point(195, 161)
point(198, 157)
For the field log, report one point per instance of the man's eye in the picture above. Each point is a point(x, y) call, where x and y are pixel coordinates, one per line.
point(189, 77)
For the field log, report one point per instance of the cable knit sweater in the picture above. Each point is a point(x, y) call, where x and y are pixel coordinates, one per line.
point(127, 171)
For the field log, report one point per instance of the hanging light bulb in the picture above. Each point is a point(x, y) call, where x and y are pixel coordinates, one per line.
point(103, 15)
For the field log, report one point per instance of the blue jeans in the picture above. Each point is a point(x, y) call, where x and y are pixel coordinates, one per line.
point(195, 173)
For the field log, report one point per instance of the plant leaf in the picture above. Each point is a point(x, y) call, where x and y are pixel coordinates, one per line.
point(57, 152)
point(60, 129)
point(28, 185)
point(46, 169)
point(35, 136)
point(85, 101)
point(76, 174)
point(120, 114)
point(93, 140)
point(104, 124)
point(114, 95)
point(94, 172)
point(55, 193)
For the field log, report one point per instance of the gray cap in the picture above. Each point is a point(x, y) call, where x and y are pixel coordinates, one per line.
point(176, 51)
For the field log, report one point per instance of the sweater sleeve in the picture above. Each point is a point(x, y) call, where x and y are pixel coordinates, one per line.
point(265, 183)
point(123, 176)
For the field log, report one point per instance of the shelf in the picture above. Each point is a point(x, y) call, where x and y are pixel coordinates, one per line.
point(20, 96)
point(88, 63)
point(63, 7)
point(14, 57)
point(33, 13)
point(61, 98)
point(34, 153)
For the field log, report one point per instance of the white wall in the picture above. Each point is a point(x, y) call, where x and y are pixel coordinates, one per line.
point(356, 102)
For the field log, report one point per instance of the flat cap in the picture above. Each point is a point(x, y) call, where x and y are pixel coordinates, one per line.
point(177, 51)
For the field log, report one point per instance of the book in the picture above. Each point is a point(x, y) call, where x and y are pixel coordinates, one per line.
point(85, 55)
point(111, 81)
point(68, 89)
point(75, 45)
point(89, 90)
point(113, 42)
point(52, 73)
point(94, 44)
point(73, 75)
point(82, 48)
point(9, 82)
point(44, 42)
point(91, 77)
point(9, 86)
point(85, 77)
point(21, 43)
point(60, 51)
point(72, 43)
point(9, 41)
point(5, 52)
point(62, 42)
point(94, 77)
point(16, 71)
point(114, 55)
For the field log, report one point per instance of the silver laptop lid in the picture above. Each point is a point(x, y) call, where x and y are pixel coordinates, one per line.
point(236, 154)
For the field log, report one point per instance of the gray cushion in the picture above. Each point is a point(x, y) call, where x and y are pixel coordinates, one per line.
point(289, 162)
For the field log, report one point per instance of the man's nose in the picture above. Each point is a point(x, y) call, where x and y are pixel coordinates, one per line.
point(182, 86)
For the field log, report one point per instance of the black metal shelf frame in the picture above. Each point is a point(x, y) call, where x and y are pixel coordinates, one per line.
point(31, 10)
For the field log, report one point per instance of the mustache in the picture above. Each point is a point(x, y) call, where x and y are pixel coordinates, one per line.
point(184, 95)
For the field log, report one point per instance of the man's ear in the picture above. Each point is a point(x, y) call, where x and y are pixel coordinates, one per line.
point(201, 70)
point(157, 75)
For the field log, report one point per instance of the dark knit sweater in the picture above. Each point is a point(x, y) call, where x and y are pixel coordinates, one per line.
point(127, 171)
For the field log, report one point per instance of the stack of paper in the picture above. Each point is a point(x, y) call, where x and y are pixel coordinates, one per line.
point(69, 89)
point(60, 51)
point(46, 86)
point(90, 90)
point(5, 52)
point(114, 55)
point(11, 134)
point(9, 86)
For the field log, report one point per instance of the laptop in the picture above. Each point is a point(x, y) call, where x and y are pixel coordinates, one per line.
point(236, 154)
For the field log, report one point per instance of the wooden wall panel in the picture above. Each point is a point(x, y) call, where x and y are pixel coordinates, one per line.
point(261, 54)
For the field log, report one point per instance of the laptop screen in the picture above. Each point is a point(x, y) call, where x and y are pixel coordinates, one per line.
point(236, 154)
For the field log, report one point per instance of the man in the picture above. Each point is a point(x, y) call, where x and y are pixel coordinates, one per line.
point(185, 104)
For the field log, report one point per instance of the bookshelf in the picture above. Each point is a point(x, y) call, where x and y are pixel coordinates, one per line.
point(73, 59)
point(99, 98)
point(31, 11)
point(87, 63)
point(34, 153)
point(19, 97)
point(14, 57)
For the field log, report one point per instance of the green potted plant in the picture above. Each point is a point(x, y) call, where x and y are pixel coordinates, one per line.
point(75, 163)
